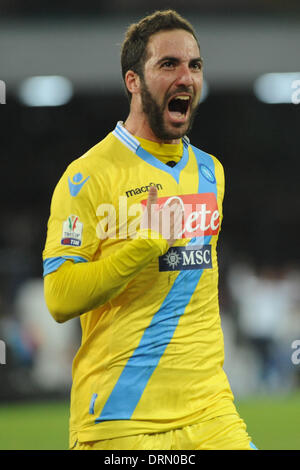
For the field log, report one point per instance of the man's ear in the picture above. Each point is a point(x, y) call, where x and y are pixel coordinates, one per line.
point(133, 82)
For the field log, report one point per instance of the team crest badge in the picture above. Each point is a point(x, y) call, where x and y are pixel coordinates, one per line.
point(207, 174)
point(72, 231)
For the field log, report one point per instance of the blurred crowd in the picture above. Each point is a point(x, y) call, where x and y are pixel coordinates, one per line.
point(260, 324)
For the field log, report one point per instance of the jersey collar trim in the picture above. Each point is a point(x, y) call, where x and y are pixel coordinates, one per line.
point(131, 142)
point(125, 137)
point(134, 145)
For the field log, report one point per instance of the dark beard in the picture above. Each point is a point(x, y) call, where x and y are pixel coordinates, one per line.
point(154, 113)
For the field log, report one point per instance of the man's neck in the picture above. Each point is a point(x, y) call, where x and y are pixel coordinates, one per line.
point(139, 126)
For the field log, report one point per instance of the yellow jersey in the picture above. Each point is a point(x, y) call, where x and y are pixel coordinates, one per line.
point(151, 357)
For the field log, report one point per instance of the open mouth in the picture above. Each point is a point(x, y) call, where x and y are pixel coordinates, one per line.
point(178, 106)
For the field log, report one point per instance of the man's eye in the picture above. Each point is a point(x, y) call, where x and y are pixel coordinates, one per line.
point(168, 64)
point(197, 65)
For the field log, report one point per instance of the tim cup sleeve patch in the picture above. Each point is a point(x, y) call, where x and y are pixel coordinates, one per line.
point(72, 231)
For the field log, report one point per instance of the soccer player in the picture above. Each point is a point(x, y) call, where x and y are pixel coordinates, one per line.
point(148, 373)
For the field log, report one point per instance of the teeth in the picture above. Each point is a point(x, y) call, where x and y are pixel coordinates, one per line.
point(182, 97)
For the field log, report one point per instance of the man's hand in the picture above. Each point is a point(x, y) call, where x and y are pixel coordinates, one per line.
point(167, 221)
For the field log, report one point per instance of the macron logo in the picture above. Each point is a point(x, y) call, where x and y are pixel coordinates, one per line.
point(142, 189)
point(76, 184)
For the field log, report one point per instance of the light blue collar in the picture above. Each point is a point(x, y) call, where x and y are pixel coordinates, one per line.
point(134, 145)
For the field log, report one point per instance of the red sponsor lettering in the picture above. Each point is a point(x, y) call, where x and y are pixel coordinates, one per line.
point(201, 214)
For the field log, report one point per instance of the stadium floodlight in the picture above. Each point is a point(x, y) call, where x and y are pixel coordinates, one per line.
point(276, 88)
point(45, 91)
point(2, 92)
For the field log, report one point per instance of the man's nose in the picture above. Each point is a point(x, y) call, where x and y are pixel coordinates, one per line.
point(184, 76)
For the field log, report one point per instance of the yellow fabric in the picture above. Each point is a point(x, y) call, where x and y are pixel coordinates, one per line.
point(78, 288)
point(151, 356)
point(163, 152)
point(223, 433)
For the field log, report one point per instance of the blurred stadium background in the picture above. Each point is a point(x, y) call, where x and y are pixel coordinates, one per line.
point(249, 118)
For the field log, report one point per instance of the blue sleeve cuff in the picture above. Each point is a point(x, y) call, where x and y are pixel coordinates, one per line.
point(52, 264)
